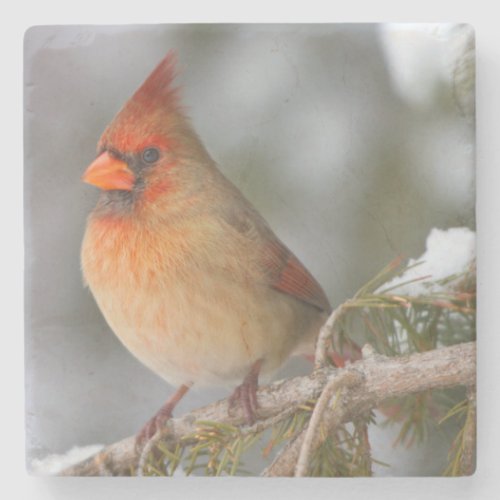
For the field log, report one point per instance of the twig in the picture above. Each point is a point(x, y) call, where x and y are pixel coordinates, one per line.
point(362, 427)
point(383, 378)
point(468, 462)
point(320, 415)
point(284, 463)
point(327, 331)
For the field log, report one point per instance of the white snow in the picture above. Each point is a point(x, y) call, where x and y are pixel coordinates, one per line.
point(448, 252)
point(53, 464)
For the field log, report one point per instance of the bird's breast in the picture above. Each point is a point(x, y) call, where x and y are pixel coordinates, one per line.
point(184, 305)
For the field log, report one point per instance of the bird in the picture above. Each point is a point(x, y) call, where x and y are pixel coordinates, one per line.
point(186, 272)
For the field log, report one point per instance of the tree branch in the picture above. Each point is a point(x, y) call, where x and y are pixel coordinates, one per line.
point(346, 380)
point(327, 332)
point(379, 378)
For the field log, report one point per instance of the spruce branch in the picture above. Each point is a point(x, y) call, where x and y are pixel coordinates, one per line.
point(380, 378)
point(462, 452)
point(328, 413)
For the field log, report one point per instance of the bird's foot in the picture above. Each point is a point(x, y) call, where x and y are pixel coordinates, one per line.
point(157, 422)
point(246, 393)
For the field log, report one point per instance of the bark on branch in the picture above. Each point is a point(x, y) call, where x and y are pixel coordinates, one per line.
point(377, 378)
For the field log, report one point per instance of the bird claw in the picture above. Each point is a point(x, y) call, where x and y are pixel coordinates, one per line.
point(164, 414)
point(246, 394)
point(152, 426)
point(246, 397)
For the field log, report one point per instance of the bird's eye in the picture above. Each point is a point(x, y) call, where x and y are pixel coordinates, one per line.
point(150, 155)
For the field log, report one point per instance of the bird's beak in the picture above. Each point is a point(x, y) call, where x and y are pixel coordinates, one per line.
point(107, 172)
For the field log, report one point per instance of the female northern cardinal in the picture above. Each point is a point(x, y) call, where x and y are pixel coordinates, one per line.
point(186, 272)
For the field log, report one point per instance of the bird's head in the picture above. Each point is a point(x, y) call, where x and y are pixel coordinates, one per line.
point(149, 151)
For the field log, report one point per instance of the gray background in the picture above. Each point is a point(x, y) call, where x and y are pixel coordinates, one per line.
point(309, 121)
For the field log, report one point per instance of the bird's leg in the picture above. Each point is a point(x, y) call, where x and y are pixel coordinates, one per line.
point(246, 393)
point(161, 416)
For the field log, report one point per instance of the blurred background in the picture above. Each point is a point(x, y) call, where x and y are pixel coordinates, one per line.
point(353, 141)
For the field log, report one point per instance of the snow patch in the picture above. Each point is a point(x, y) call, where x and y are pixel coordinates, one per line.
point(53, 464)
point(448, 252)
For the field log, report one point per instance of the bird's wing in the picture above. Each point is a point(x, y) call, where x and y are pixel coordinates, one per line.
point(281, 269)
point(288, 275)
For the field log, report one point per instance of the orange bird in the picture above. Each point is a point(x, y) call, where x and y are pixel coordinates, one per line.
point(187, 273)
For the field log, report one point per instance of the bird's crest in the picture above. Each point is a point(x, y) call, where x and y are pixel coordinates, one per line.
point(148, 112)
point(158, 90)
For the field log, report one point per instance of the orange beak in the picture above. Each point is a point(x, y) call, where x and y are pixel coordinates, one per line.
point(107, 172)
